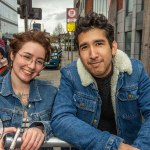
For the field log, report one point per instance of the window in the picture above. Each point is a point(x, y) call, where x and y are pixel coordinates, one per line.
point(129, 7)
point(128, 43)
point(142, 8)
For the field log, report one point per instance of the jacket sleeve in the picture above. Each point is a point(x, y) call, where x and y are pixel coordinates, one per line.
point(46, 128)
point(68, 127)
point(143, 139)
point(48, 93)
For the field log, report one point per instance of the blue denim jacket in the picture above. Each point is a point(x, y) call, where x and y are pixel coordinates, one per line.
point(41, 98)
point(77, 107)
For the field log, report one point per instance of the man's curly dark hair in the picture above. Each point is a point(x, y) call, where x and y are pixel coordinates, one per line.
point(91, 21)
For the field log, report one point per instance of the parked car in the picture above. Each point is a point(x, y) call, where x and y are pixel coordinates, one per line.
point(55, 59)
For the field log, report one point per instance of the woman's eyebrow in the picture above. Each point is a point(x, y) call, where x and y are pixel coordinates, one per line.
point(32, 55)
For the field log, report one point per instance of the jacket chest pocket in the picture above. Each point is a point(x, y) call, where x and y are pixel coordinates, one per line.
point(86, 106)
point(128, 103)
point(6, 118)
point(41, 116)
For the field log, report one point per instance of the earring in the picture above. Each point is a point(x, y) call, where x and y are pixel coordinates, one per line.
point(11, 64)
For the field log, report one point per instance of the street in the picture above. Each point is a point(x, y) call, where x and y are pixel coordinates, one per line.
point(53, 74)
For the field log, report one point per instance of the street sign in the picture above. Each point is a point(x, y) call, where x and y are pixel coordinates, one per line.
point(71, 20)
point(37, 26)
point(71, 13)
point(71, 26)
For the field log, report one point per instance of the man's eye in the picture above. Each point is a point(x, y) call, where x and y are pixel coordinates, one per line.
point(99, 43)
point(83, 47)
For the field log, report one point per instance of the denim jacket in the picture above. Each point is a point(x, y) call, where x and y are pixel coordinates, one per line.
point(77, 107)
point(40, 102)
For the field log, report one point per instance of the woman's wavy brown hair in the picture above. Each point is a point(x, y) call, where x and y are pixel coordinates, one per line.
point(39, 37)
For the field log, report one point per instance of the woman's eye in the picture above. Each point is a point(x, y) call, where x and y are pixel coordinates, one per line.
point(27, 57)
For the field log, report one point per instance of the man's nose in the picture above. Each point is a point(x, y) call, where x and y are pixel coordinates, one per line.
point(93, 52)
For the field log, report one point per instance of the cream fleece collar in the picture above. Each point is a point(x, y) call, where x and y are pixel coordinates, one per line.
point(121, 63)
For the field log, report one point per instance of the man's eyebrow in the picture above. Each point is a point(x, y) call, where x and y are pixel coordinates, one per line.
point(83, 44)
point(99, 40)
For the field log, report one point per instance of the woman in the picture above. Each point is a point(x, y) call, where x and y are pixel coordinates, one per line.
point(24, 100)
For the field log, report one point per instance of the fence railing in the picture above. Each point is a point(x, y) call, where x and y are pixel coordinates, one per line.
point(52, 142)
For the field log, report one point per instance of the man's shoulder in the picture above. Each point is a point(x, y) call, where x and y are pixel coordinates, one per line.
point(72, 66)
point(137, 68)
point(136, 64)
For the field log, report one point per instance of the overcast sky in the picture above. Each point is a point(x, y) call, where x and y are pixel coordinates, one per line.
point(53, 12)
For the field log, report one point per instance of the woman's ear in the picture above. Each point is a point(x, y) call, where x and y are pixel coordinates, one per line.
point(11, 56)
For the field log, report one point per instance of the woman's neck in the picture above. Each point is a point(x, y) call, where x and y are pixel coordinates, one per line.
point(18, 86)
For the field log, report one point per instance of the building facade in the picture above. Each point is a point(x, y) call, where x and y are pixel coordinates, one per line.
point(85, 6)
point(131, 19)
point(8, 18)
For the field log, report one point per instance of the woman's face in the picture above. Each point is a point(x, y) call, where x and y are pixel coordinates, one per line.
point(28, 62)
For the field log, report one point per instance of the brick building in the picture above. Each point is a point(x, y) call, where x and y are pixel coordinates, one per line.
point(131, 19)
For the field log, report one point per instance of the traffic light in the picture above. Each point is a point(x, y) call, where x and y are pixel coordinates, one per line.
point(22, 8)
point(24, 5)
point(29, 7)
point(32, 13)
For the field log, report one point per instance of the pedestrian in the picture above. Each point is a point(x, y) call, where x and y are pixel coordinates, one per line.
point(2, 44)
point(3, 63)
point(26, 102)
point(103, 102)
point(6, 41)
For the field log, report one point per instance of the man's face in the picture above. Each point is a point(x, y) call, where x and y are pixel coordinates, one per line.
point(95, 52)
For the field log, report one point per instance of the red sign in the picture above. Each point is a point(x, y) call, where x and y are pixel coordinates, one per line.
point(71, 13)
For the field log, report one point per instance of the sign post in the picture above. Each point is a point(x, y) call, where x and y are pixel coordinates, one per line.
point(71, 19)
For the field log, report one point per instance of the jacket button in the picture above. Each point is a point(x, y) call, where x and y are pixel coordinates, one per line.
point(119, 131)
point(17, 108)
point(130, 96)
point(94, 121)
point(82, 105)
point(29, 105)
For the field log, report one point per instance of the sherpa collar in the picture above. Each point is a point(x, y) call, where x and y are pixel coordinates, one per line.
point(121, 63)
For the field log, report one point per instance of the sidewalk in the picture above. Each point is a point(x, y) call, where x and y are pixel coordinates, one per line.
point(68, 57)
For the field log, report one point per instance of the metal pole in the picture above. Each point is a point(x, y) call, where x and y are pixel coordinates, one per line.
point(26, 18)
point(71, 38)
point(52, 142)
point(68, 45)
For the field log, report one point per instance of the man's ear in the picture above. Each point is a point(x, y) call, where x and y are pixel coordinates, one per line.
point(114, 48)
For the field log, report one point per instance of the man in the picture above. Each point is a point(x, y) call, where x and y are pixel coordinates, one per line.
point(103, 101)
